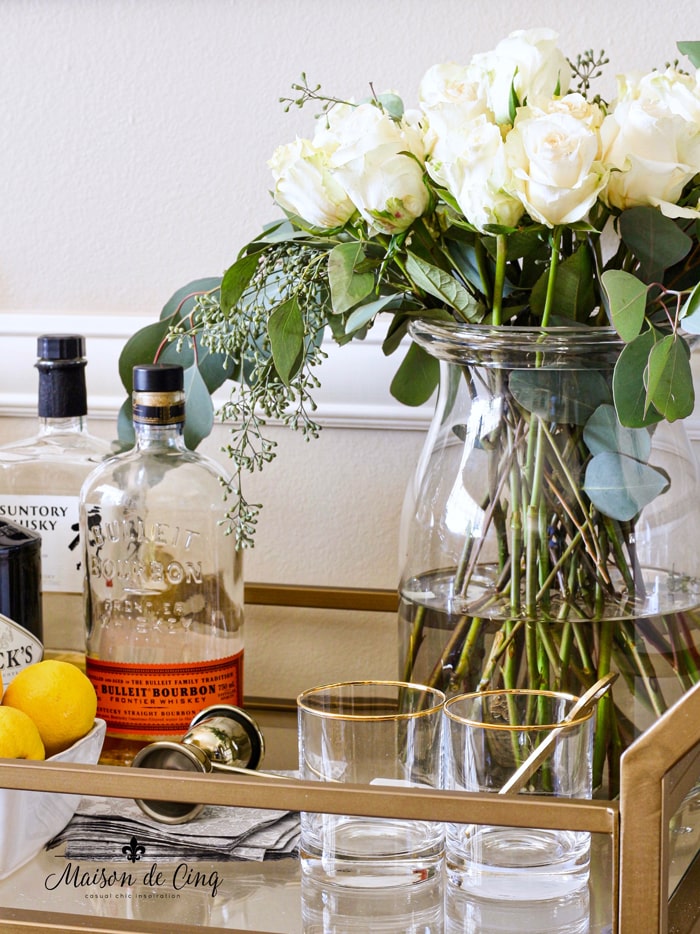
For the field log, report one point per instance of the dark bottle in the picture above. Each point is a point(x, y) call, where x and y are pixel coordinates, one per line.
point(20, 576)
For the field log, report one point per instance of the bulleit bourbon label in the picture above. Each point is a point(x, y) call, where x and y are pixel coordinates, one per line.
point(161, 700)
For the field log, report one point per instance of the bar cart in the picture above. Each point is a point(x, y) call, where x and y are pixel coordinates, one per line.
point(641, 882)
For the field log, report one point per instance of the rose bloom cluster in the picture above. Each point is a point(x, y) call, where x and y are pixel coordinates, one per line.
point(551, 156)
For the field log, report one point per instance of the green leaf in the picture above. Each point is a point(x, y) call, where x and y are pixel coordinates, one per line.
point(603, 432)
point(574, 295)
point(180, 304)
point(670, 379)
point(692, 50)
point(199, 410)
point(141, 347)
point(621, 486)
point(236, 279)
point(690, 312)
point(125, 425)
point(285, 327)
point(367, 312)
point(629, 390)
point(442, 285)
point(348, 287)
point(561, 396)
point(656, 240)
point(416, 378)
point(627, 299)
point(391, 104)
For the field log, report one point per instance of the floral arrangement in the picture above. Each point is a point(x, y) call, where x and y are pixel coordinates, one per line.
point(511, 196)
point(491, 202)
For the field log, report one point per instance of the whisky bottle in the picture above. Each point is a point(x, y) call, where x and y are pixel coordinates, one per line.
point(40, 480)
point(164, 594)
point(20, 599)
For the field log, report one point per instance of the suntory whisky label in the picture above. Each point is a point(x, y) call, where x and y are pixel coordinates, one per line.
point(18, 649)
point(161, 700)
point(55, 518)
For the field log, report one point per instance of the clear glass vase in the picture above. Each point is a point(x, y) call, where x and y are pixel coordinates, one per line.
point(543, 544)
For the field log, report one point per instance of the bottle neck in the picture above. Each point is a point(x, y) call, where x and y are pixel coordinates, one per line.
point(149, 436)
point(76, 424)
point(62, 391)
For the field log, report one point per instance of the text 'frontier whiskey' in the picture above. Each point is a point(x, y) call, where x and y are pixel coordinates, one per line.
point(164, 579)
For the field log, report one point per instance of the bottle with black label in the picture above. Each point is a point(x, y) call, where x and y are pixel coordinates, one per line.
point(20, 599)
point(164, 578)
point(40, 479)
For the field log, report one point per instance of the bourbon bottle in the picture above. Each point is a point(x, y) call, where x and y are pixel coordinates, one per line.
point(164, 594)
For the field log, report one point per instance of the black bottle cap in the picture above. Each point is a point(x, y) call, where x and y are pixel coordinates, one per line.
point(61, 366)
point(159, 377)
point(60, 347)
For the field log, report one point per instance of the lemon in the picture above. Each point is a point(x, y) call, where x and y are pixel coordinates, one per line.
point(58, 697)
point(19, 736)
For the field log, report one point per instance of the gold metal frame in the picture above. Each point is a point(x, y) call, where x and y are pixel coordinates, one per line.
point(656, 772)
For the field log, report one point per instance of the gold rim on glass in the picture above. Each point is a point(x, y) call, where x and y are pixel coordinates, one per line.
point(438, 696)
point(514, 727)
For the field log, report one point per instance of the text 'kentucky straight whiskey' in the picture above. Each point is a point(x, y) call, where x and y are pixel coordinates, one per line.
point(164, 579)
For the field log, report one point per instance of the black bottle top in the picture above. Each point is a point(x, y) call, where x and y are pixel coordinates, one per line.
point(158, 377)
point(61, 366)
point(20, 576)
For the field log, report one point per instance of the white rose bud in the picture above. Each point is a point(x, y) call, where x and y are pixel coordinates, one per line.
point(554, 160)
point(305, 186)
point(528, 61)
point(379, 162)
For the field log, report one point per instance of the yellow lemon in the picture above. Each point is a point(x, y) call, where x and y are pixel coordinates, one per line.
point(19, 736)
point(58, 697)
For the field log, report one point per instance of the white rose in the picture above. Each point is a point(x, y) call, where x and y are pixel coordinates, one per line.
point(652, 139)
point(528, 61)
point(450, 97)
point(554, 160)
point(305, 186)
point(470, 163)
point(370, 158)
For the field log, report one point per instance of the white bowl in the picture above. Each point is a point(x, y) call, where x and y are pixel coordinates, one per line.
point(29, 819)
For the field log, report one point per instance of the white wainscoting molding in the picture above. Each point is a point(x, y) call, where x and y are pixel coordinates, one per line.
point(355, 378)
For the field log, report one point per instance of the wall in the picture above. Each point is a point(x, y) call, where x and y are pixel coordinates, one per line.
point(135, 140)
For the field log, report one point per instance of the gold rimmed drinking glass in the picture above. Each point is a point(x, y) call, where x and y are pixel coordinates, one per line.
point(374, 733)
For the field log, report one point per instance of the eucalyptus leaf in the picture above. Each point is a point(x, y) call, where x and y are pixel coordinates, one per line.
point(690, 312)
point(574, 292)
point(692, 50)
point(366, 312)
point(285, 327)
point(236, 279)
point(125, 424)
point(442, 285)
point(656, 240)
point(627, 299)
point(670, 378)
point(561, 396)
point(348, 287)
point(603, 432)
point(621, 486)
point(141, 347)
point(391, 104)
point(416, 378)
point(199, 410)
point(629, 389)
point(180, 304)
